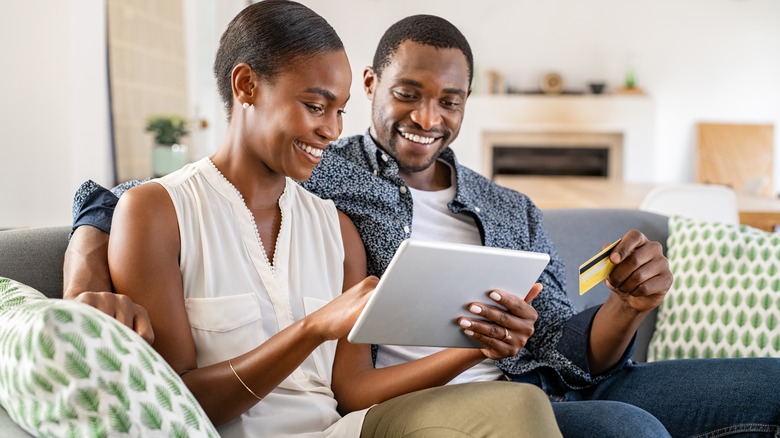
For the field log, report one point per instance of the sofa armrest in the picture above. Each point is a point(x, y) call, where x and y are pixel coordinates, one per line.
point(34, 256)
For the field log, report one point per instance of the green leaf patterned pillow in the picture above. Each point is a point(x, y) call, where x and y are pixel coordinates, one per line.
point(68, 370)
point(725, 301)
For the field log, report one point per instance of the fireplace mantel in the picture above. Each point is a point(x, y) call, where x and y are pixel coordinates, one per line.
point(631, 116)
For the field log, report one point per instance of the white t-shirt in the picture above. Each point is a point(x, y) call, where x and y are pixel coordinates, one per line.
point(433, 221)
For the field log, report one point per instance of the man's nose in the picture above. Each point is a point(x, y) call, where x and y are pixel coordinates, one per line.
point(427, 115)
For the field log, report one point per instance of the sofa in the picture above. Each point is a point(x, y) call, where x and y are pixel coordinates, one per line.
point(35, 257)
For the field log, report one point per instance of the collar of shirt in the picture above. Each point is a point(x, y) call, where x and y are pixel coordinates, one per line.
point(381, 163)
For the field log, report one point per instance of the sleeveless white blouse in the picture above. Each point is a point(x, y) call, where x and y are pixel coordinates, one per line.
point(236, 300)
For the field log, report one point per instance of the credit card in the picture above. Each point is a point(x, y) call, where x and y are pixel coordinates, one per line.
point(597, 269)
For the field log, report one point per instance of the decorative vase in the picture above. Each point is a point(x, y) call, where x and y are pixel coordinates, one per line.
point(167, 158)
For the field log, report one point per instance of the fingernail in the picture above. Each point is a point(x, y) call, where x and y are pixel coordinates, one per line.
point(465, 323)
point(475, 309)
point(468, 332)
point(495, 296)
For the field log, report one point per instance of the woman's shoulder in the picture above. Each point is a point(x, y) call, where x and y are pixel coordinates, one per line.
point(295, 193)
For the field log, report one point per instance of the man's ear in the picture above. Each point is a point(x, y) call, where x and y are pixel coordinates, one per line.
point(369, 82)
point(243, 80)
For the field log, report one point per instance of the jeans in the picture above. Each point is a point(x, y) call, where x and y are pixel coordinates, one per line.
point(704, 398)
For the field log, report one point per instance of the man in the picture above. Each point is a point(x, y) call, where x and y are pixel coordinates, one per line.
point(402, 180)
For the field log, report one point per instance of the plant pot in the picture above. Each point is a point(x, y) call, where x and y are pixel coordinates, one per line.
point(167, 158)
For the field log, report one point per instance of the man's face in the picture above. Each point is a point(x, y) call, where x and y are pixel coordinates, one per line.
point(418, 103)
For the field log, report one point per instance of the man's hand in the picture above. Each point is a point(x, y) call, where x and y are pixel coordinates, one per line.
point(641, 277)
point(508, 330)
point(639, 282)
point(121, 308)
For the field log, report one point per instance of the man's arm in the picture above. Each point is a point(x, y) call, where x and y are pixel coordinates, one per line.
point(639, 283)
point(86, 263)
point(86, 276)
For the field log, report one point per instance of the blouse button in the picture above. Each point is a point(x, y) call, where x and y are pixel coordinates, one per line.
point(476, 209)
point(384, 158)
point(402, 189)
point(406, 229)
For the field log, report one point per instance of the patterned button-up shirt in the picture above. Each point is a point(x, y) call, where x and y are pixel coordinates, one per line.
point(363, 181)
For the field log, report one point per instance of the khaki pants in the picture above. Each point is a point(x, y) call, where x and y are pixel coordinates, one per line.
point(486, 409)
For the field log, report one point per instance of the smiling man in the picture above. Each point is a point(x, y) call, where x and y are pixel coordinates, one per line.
point(401, 180)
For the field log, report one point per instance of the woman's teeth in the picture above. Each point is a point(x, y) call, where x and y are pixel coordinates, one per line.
point(418, 139)
point(314, 152)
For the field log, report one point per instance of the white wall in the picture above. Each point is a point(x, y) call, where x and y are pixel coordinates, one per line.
point(700, 60)
point(53, 109)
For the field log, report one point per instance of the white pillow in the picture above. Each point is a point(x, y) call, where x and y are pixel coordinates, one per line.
point(67, 369)
point(725, 301)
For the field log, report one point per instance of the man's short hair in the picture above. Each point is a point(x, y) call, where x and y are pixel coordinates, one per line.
point(429, 30)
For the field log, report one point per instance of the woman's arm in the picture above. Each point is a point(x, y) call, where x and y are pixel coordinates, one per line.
point(143, 258)
point(356, 383)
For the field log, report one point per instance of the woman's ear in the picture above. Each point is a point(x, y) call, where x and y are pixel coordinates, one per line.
point(369, 82)
point(244, 84)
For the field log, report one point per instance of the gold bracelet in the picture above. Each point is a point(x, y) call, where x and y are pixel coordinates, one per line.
point(242, 382)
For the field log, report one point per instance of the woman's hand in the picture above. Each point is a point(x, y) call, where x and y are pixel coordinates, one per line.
point(335, 319)
point(505, 332)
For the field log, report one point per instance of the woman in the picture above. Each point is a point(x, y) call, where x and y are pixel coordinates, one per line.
point(241, 270)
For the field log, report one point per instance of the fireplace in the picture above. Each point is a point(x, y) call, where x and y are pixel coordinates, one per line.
point(554, 154)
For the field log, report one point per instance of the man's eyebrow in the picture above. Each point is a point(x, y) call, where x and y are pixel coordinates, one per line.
point(412, 83)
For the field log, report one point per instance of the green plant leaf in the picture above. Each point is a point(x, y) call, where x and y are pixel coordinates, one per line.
point(56, 375)
point(119, 419)
point(91, 327)
point(88, 399)
point(97, 429)
point(178, 430)
point(137, 380)
point(108, 360)
point(150, 416)
point(76, 366)
point(163, 397)
point(45, 345)
point(118, 391)
point(75, 340)
point(41, 381)
point(190, 416)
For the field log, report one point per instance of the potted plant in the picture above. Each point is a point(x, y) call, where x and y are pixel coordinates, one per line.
point(168, 154)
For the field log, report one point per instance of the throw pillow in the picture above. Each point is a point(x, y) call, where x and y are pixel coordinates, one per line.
point(725, 301)
point(69, 370)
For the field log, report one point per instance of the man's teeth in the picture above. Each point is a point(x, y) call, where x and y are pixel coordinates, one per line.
point(315, 152)
point(418, 139)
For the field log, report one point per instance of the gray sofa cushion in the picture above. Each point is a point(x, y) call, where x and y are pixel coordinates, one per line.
point(34, 257)
point(579, 233)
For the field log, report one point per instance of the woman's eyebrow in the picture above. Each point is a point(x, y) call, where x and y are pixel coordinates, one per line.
point(321, 91)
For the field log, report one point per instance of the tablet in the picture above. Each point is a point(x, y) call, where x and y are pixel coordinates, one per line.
point(427, 286)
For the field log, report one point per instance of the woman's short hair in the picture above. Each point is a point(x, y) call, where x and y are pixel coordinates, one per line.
point(271, 36)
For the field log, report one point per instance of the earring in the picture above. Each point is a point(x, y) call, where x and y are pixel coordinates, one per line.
point(246, 105)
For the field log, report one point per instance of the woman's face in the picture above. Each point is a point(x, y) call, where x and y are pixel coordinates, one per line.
point(298, 113)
